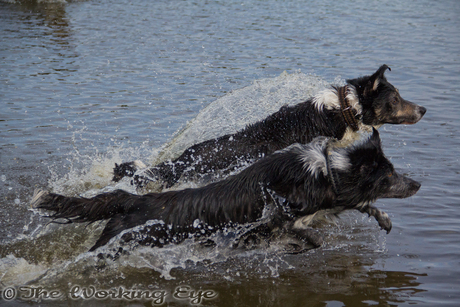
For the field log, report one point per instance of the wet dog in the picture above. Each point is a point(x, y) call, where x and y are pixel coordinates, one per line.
point(339, 112)
point(281, 194)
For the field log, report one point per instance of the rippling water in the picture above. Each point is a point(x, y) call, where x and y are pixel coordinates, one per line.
point(85, 84)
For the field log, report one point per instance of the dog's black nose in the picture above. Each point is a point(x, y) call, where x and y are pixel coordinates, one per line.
point(415, 185)
point(422, 110)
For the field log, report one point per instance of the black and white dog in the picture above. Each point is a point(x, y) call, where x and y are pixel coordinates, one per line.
point(280, 193)
point(338, 112)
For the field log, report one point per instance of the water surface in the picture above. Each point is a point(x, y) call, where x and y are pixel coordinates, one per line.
point(85, 84)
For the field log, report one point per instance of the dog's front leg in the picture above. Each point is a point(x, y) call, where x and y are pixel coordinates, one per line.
point(382, 218)
point(300, 239)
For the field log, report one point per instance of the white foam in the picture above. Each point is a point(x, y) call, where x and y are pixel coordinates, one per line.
point(91, 175)
point(18, 271)
point(241, 107)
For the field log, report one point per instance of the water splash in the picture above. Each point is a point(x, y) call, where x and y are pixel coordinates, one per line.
point(54, 253)
point(241, 107)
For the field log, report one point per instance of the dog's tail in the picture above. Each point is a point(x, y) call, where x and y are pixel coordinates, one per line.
point(80, 210)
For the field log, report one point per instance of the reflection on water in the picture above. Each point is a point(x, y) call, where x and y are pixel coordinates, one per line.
point(342, 271)
point(36, 52)
point(29, 20)
point(321, 288)
point(51, 14)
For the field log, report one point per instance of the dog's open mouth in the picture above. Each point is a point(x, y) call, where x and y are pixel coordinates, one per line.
point(404, 121)
point(407, 122)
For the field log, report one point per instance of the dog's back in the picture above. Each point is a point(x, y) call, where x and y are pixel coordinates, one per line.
point(339, 112)
point(276, 191)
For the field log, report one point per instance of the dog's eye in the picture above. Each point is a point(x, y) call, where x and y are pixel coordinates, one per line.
point(395, 101)
point(369, 168)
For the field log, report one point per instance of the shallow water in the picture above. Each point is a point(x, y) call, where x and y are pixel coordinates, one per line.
point(85, 84)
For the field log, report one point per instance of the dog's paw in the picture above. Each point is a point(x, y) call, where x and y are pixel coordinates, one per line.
point(382, 218)
point(308, 235)
point(299, 242)
point(311, 235)
point(126, 169)
point(384, 221)
point(297, 248)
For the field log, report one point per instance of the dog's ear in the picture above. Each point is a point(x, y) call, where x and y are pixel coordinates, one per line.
point(375, 79)
point(375, 137)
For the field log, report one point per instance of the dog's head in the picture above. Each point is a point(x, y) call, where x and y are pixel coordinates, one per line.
point(362, 173)
point(381, 102)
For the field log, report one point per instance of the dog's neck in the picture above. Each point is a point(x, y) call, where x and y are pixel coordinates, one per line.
point(343, 99)
point(349, 114)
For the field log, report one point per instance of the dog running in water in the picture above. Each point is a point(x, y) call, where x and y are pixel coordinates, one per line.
point(339, 112)
point(281, 193)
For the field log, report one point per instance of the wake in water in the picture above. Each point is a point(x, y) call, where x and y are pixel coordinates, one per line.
point(51, 254)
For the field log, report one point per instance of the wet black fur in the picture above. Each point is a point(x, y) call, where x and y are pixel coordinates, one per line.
point(291, 124)
point(280, 184)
